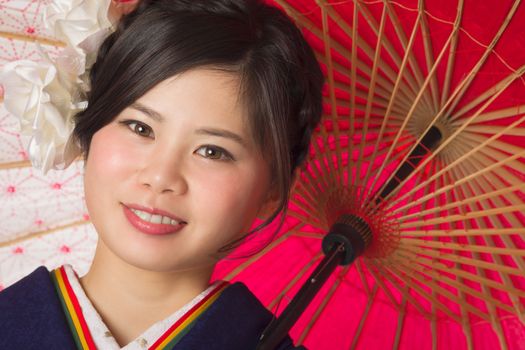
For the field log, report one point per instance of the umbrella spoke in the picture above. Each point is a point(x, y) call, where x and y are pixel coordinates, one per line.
point(32, 39)
point(472, 149)
point(452, 54)
point(465, 232)
point(414, 87)
point(364, 315)
point(15, 165)
point(459, 286)
point(400, 322)
point(42, 233)
point(488, 50)
point(430, 254)
point(467, 200)
point(499, 114)
point(413, 258)
point(461, 247)
point(331, 89)
point(390, 106)
point(410, 283)
point(431, 156)
point(501, 85)
point(434, 89)
point(490, 241)
point(322, 306)
point(275, 301)
point(232, 274)
point(407, 119)
point(371, 92)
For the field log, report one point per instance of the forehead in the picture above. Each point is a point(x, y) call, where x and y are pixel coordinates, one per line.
point(202, 95)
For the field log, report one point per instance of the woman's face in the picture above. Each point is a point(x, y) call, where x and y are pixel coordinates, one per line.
point(185, 149)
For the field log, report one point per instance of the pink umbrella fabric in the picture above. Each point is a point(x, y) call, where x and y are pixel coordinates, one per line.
point(445, 266)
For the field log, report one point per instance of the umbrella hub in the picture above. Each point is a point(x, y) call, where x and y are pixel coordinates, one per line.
point(350, 235)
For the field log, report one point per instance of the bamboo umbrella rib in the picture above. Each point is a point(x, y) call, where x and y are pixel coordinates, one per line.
point(359, 267)
point(461, 247)
point(392, 99)
point(412, 259)
point(491, 129)
point(411, 113)
point(409, 90)
point(401, 36)
point(452, 55)
point(430, 254)
point(462, 288)
point(414, 286)
point(31, 38)
point(331, 87)
point(312, 212)
point(467, 331)
point(42, 233)
point(389, 48)
point(294, 280)
point(486, 54)
point(362, 82)
point(450, 138)
point(498, 114)
point(364, 315)
point(439, 291)
point(15, 165)
point(316, 235)
point(465, 216)
point(492, 167)
point(427, 45)
point(364, 130)
point(508, 243)
point(266, 249)
point(464, 233)
point(400, 322)
point(472, 164)
point(468, 200)
point(322, 306)
point(496, 151)
point(304, 22)
point(305, 219)
point(381, 283)
point(456, 117)
point(490, 306)
point(319, 173)
point(353, 90)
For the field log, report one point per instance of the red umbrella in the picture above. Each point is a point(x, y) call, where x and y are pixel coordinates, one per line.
point(423, 142)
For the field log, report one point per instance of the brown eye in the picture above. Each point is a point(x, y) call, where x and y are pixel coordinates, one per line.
point(138, 128)
point(213, 152)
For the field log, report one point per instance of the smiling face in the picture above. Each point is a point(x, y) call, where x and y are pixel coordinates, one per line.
point(183, 148)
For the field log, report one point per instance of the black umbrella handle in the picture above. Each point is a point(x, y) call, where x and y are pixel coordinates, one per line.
point(346, 240)
point(278, 329)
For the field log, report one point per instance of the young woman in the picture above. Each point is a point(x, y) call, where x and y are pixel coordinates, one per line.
point(200, 112)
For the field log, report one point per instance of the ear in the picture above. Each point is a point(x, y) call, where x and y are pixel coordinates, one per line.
point(118, 8)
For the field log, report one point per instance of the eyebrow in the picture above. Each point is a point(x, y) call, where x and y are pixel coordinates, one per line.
point(203, 131)
point(148, 111)
point(222, 133)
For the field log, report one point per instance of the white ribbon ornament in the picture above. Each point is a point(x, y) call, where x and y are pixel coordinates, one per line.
point(45, 96)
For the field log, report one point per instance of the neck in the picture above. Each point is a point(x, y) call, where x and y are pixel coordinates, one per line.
point(121, 292)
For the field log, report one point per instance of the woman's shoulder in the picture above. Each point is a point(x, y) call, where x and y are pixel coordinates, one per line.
point(29, 310)
point(234, 321)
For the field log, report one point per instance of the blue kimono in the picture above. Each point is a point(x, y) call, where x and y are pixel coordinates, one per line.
point(31, 317)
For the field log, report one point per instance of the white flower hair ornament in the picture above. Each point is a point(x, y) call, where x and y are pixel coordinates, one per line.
point(45, 95)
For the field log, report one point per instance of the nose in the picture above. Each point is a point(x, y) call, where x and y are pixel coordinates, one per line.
point(163, 175)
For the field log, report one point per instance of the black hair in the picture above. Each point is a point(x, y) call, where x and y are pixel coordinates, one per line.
point(281, 80)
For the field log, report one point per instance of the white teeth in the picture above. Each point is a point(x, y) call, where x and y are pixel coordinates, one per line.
point(154, 219)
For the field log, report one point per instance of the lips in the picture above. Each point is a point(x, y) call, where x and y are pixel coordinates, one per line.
point(148, 227)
